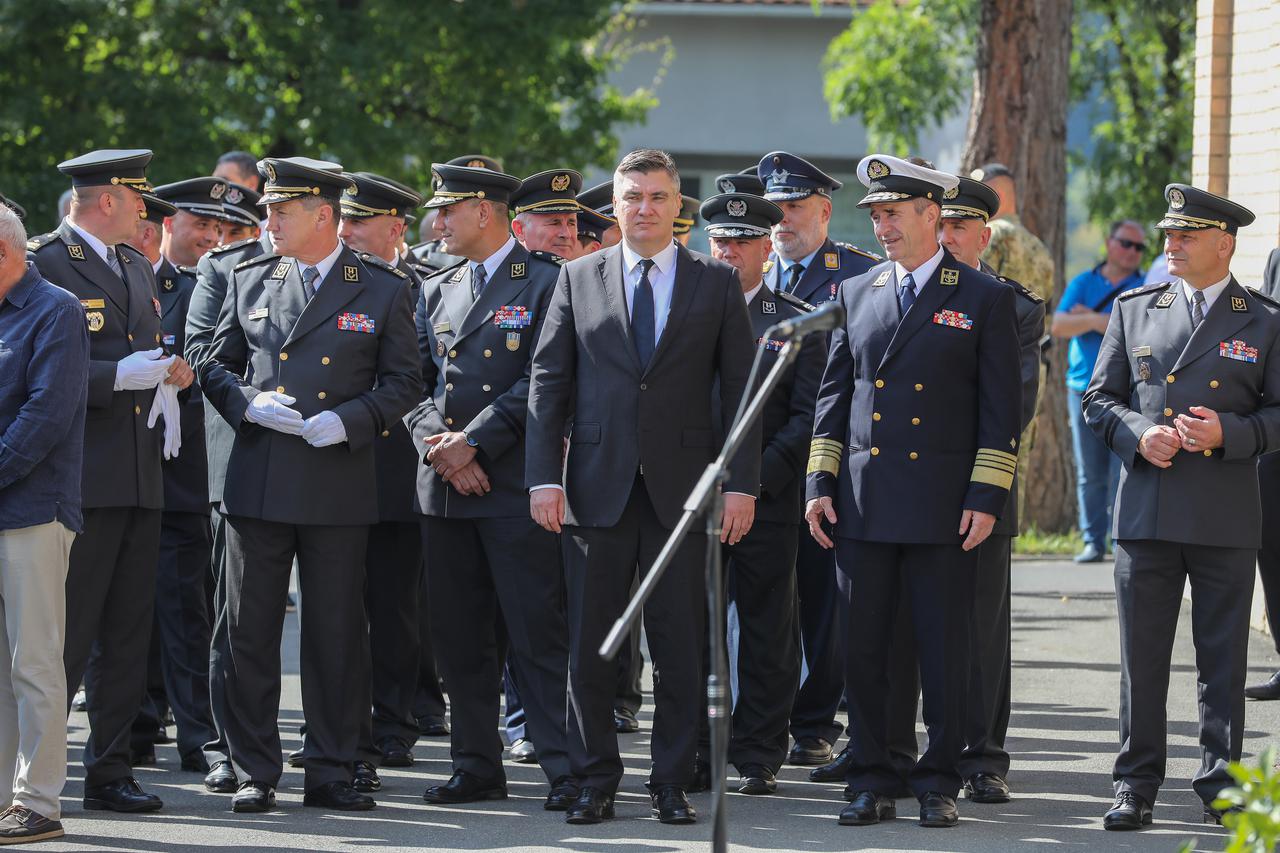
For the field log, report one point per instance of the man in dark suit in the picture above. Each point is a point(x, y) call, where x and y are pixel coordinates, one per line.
point(633, 342)
point(112, 575)
point(914, 449)
point(311, 360)
point(809, 265)
point(760, 569)
point(1185, 392)
point(1269, 488)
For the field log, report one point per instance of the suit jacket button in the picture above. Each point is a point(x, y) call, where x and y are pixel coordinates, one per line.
point(284, 356)
point(386, 432)
point(644, 387)
point(487, 388)
point(919, 387)
point(453, 353)
point(879, 383)
point(448, 421)
point(279, 389)
point(913, 455)
point(321, 395)
point(875, 451)
point(875, 416)
point(1170, 378)
point(1213, 383)
point(131, 338)
point(487, 353)
point(1208, 453)
point(157, 338)
point(448, 386)
point(324, 359)
point(915, 422)
point(137, 410)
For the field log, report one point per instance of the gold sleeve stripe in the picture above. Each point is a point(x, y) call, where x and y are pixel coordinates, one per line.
point(825, 455)
point(828, 444)
point(997, 463)
point(992, 476)
point(997, 454)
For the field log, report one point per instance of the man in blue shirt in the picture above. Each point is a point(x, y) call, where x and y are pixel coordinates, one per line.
point(1082, 316)
point(44, 369)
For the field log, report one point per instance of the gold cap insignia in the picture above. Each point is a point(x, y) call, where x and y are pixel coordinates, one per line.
point(877, 170)
point(560, 183)
point(95, 320)
point(351, 191)
point(76, 252)
point(217, 191)
point(436, 181)
point(233, 196)
point(951, 193)
point(271, 172)
point(1177, 200)
point(350, 273)
point(736, 207)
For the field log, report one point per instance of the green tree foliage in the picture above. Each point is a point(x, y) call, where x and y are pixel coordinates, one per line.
point(381, 85)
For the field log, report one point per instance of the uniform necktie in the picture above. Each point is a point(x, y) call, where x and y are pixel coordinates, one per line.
point(908, 296)
point(1197, 308)
point(309, 276)
point(113, 260)
point(643, 328)
point(793, 276)
point(478, 278)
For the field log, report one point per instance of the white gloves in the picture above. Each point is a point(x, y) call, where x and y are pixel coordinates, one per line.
point(271, 410)
point(166, 404)
point(139, 371)
point(324, 429)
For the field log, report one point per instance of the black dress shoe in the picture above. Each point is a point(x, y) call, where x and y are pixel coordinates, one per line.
point(1128, 812)
point(833, 771)
point(429, 725)
point(756, 779)
point(564, 791)
point(338, 796)
point(253, 798)
point(122, 795)
point(670, 805)
point(810, 751)
point(624, 721)
point(365, 778)
point(986, 788)
point(938, 810)
point(221, 778)
point(296, 758)
point(701, 780)
point(463, 787)
point(395, 752)
point(195, 763)
point(1266, 691)
point(866, 808)
point(592, 806)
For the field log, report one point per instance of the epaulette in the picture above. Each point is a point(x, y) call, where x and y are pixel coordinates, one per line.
point(375, 261)
point(422, 269)
point(218, 250)
point(452, 268)
point(549, 257)
point(794, 301)
point(261, 259)
point(43, 240)
point(1150, 288)
point(1262, 297)
point(185, 270)
point(857, 251)
point(129, 253)
point(1020, 289)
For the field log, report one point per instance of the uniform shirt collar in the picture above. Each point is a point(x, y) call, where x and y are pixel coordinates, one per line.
point(805, 262)
point(99, 247)
point(495, 260)
point(155, 268)
point(921, 274)
point(751, 294)
point(1211, 293)
point(324, 265)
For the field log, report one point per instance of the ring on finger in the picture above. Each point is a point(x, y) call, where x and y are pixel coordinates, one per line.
point(1191, 441)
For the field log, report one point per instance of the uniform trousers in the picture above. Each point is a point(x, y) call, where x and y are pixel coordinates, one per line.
point(1150, 578)
point(331, 572)
point(600, 565)
point(813, 714)
point(111, 587)
point(216, 748)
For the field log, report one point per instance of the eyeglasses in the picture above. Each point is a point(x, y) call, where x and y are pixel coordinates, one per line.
point(1129, 244)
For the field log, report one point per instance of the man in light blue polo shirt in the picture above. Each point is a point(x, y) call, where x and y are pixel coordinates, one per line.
point(1082, 316)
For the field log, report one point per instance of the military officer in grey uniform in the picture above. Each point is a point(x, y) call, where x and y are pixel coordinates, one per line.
point(486, 560)
point(760, 568)
point(311, 360)
point(809, 265)
point(373, 221)
point(1185, 392)
point(914, 449)
point(112, 575)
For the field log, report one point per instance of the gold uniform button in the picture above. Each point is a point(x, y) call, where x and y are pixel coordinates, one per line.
point(284, 356)
point(1208, 453)
point(879, 383)
point(453, 353)
point(324, 359)
point(448, 386)
point(486, 387)
point(914, 455)
point(1213, 383)
point(386, 432)
point(1168, 413)
point(448, 421)
point(279, 389)
point(875, 416)
point(915, 422)
point(1170, 378)
point(919, 387)
point(131, 338)
point(322, 395)
point(137, 410)
point(157, 338)
point(488, 353)
point(875, 451)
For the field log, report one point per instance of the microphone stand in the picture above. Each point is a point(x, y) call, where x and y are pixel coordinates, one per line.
point(707, 500)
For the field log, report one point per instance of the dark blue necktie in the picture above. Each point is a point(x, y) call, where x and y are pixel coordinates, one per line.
point(479, 277)
point(793, 276)
point(908, 296)
point(309, 276)
point(643, 328)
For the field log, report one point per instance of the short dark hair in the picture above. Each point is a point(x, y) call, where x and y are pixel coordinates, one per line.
point(245, 162)
point(1120, 223)
point(646, 160)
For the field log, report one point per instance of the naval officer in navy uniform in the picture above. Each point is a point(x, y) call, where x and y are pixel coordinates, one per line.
point(914, 449)
point(1185, 392)
point(311, 360)
point(809, 265)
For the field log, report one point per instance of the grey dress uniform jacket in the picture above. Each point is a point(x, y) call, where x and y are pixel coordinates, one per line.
point(186, 478)
point(819, 282)
point(349, 350)
point(1152, 367)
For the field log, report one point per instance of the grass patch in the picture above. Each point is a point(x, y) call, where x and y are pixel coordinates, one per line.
point(1034, 541)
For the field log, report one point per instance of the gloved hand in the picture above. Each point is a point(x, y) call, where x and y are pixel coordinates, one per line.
point(271, 410)
point(324, 429)
point(139, 371)
point(166, 404)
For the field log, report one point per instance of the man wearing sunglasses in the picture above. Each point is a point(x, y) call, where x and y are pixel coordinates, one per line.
point(1082, 317)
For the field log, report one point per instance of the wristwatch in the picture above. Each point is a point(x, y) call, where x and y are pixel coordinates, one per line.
point(471, 442)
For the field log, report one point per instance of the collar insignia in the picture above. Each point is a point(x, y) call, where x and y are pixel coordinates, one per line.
point(350, 273)
point(882, 279)
point(1165, 300)
point(832, 260)
point(520, 270)
point(768, 308)
point(950, 277)
point(281, 270)
point(1238, 305)
point(75, 251)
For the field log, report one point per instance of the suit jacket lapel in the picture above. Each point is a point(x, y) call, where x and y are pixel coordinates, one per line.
point(142, 297)
point(615, 284)
point(455, 293)
point(688, 271)
point(816, 275)
point(931, 297)
point(334, 292)
point(499, 290)
point(169, 296)
point(1219, 325)
point(94, 270)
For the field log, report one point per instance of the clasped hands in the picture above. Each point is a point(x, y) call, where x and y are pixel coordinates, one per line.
point(1196, 433)
point(272, 410)
point(454, 460)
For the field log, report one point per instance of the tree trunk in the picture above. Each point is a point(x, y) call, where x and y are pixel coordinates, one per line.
point(1019, 117)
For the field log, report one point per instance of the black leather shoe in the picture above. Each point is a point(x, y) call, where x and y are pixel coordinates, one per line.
point(195, 763)
point(395, 752)
point(296, 758)
point(365, 778)
point(756, 779)
point(810, 751)
point(122, 795)
point(986, 788)
point(625, 722)
point(429, 725)
point(1212, 815)
point(338, 796)
point(670, 805)
point(592, 806)
point(866, 808)
point(938, 810)
point(564, 791)
point(1128, 812)
point(221, 778)
point(701, 780)
point(463, 787)
point(253, 797)
point(833, 771)
point(1266, 691)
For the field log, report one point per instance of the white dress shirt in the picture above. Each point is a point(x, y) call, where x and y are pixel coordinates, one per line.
point(662, 278)
point(1211, 293)
point(920, 275)
point(324, 266)
point(494, 261)
point(751, 294)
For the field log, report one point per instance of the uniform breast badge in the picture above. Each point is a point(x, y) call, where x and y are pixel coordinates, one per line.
point(513, 341)
point(513, 317)
point(954, 319)
point(1238, 350)
point(1144, 370)
point(349, 322)
point(96, 320)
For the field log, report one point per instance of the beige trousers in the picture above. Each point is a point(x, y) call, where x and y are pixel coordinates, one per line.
point(33, 684)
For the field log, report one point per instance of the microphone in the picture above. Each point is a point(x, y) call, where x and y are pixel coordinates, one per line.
point(823, 319)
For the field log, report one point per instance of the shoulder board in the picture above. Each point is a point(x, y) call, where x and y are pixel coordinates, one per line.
point(1020, 289)
point(1150, 288)
point(852, 248)
point(794, 301)
point(218, 250)
point(1262, 297)
point(185, 270)
point(549, 257)
point(375, 261)
point(43, 240)
point(422, 269)
point(261, 259)
point(449, 269)
point(131, 253)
